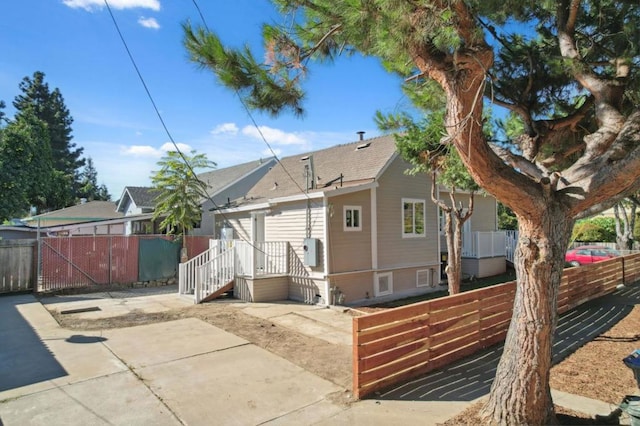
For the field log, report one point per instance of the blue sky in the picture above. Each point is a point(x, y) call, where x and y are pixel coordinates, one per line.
point(75, 44)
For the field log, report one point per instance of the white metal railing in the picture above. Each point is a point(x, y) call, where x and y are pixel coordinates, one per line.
point(187, 271)
point(479, 245)
point(226, 259)
point(214, 274)
point(262, 258)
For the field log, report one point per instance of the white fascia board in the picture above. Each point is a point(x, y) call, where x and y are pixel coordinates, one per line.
point(351, 189)
point(247, 208)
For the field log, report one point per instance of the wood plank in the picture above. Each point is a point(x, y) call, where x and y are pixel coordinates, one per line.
point(392, 368)
point(472, 306)
point(396, 314)
point(390, 342)
point(455, 334)
point(392, 328)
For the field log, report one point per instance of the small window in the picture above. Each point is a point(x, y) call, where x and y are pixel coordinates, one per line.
point(383, 284)
point(352, 218)
point(413, 218)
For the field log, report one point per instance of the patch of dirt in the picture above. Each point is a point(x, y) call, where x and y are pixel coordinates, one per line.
point(329, 361)
point(594, 371)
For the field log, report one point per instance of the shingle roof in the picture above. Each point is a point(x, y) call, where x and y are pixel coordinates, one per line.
point(87, 212)
point(351, 164)
point(217, 180)
point(142, 196)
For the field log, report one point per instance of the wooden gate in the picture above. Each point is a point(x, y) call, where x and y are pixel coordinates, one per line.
point(17, 265)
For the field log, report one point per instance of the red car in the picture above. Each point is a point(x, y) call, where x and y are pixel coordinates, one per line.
point(583, 255)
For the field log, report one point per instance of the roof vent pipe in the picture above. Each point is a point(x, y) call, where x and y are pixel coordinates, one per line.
point(361, 134)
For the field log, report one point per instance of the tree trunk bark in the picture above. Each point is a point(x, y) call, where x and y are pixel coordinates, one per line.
point(454, 267)
point(520, 394)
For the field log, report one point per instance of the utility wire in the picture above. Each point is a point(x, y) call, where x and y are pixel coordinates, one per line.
point(164, 126)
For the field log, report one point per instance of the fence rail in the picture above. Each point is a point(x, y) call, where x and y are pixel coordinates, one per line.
point(392, 346)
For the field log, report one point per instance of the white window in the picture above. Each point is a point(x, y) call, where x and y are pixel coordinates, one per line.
point(423, 278)
point(352, 218)
point(413, 217)
point(383, 284)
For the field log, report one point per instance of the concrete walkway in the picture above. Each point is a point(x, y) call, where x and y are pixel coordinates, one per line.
point(171, 373)
point(190, 372)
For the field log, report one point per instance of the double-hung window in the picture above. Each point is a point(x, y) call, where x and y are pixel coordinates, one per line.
point(352, 218)
point(413, 217)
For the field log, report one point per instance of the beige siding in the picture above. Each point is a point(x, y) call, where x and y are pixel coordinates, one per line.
point(484, 217)
point(350, 250)
point(355, 287)
point(358, 288)
point(241, 224)
point(306, 290)
point(393, 249)
point(289, 222)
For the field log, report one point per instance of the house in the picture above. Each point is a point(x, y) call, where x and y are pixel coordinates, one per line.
point(85, 218)
point(345, 224)
point(137, 203)
point(224, 185)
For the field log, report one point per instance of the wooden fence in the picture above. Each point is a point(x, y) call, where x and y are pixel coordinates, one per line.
point(393, 346)
point(17, 261)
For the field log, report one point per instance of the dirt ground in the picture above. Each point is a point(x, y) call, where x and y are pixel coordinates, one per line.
point(594, 371)
point(329, 361)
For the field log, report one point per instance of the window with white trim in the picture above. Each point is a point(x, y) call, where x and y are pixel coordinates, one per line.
point(413, 217)
point(383, 284)
point(352, 218)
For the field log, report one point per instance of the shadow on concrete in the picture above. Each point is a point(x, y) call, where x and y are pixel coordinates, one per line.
point(81, 338)
point(471, 378)
point(24, 357)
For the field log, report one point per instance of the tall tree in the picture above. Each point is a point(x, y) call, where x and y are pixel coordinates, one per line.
point(88, 187)
point(26, 166)
point(567, 69)
point(180, 193)
point(48, 106)
point(419, 144)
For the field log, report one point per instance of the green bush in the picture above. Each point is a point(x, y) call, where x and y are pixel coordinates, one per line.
point(598, 229)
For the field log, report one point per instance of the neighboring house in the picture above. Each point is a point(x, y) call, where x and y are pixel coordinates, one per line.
point(86, 218)
point(482, 246)
point(13, 232)
point(135, 201)
point(224, 185)
point(357, 226)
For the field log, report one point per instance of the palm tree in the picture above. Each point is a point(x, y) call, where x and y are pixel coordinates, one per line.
point(180, 193)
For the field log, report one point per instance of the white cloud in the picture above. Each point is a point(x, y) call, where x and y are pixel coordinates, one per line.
point(90, 5)
point(225, 128)
point(151, 152)
point(274, 136)
point(141, 151)
point(149, 23)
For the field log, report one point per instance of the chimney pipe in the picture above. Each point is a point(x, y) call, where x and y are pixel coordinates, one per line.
point(361, 134)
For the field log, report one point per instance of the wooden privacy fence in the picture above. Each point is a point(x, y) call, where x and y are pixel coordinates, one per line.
point(17, 261)
point(393, 346)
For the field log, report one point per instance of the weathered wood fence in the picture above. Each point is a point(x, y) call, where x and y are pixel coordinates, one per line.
point(393, 346)
point(17, 265)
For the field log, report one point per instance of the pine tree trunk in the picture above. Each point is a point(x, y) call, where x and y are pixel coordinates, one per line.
point(520, 394)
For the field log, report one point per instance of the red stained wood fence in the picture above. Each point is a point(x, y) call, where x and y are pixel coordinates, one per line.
point(390, 347)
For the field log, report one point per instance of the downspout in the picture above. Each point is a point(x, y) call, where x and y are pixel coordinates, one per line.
point(327, 284)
